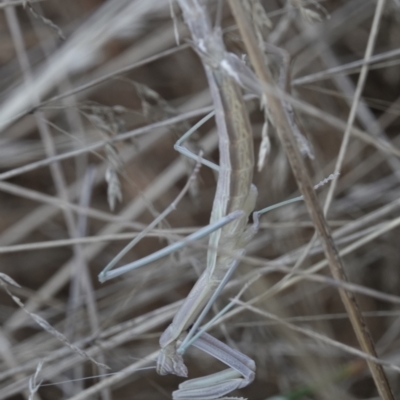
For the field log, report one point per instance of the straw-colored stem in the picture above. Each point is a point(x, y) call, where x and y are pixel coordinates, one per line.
point(336, 265)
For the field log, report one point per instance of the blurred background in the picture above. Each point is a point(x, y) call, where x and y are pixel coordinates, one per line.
point(94, 94)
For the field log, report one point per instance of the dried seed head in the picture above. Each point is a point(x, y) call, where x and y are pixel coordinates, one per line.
point(308, 13)
point(114, 192)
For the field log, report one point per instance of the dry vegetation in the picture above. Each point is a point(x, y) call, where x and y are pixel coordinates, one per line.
point(94, 94)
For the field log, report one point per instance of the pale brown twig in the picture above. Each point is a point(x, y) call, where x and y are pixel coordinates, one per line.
point(299, 170)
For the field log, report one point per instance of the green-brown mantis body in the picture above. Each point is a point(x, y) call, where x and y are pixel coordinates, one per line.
point(235, 192)
point(233, 203)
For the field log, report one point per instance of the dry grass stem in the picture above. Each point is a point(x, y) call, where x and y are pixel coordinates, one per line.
point(299, 170)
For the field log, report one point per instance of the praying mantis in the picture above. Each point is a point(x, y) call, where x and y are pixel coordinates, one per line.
point(234, 201)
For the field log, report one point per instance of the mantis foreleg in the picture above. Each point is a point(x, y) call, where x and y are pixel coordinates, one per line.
point(240, 374)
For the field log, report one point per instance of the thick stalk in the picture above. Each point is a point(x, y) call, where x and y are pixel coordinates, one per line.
point(281, 120)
